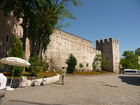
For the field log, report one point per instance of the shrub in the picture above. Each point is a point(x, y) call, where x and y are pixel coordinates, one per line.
point(45, 65)
point(81, 65)
point(96, 65)
point(99, 63)
point(17, 71)
point(71, 62)
point(36, 65)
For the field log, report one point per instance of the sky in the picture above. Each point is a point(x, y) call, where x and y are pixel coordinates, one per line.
point(100, 19)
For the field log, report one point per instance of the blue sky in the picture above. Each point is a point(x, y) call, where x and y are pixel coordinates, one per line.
point(100, 19)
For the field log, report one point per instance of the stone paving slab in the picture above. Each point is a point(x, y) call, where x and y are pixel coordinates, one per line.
point(81, 90)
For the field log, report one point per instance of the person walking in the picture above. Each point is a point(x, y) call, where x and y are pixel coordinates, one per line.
point(63, 71)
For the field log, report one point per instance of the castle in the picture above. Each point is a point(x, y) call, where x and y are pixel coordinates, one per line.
point(61, 46)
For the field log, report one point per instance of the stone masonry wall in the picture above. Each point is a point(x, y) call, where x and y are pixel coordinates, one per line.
point(110, 50)
point(116, 56)
point(63, 44)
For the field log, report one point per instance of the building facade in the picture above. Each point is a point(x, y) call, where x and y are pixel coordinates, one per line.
point(62, 44)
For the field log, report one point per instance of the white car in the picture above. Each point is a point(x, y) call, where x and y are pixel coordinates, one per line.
point(131, 71)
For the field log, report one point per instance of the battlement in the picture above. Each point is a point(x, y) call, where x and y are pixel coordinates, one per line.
point(107, 41)
point(96, 51)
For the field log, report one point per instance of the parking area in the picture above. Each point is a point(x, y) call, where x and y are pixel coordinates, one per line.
point(109, 89)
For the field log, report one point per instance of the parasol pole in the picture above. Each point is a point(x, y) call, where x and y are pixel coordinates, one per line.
point(12, 76)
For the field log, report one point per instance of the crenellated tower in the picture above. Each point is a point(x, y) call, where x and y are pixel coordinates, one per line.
point(110, 50)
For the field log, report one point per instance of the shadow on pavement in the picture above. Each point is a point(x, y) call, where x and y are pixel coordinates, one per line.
point(133, 80)
point(29, 103)
point(57, 83)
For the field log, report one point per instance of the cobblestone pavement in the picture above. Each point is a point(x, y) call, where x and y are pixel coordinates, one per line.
point(111, 89)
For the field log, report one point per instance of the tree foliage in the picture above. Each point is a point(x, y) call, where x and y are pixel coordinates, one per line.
point(1, 66)
point(16, 50)
point(99, 63)
point(104, 62)
point(71, 62)
point(137, 51)
point(129, 60)
point(36, 65)
point(45, 65)
point(39, 18)
point(96, 65)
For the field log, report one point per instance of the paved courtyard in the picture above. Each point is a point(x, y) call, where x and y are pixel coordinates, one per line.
point(110, 89)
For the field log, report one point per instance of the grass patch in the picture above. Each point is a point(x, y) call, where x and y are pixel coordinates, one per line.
point(49, 74)
point(40, 75)
point(90, 73)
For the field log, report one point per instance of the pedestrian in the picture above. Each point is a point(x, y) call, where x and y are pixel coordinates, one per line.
point(63, 71)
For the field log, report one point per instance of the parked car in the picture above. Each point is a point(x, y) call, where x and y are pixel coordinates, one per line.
point(131, 71)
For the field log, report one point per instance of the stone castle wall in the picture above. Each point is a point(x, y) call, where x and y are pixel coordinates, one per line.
point(63, 44)
point(110, 50)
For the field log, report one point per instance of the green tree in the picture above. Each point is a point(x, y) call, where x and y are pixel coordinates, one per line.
point(129, 60)
point(39, 18)
point(16, 50)
point(137, 51)
point(71, 62)
point(36, 65)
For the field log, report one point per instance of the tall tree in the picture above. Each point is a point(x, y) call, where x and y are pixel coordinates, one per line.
point(39, 17)
point(129, 60)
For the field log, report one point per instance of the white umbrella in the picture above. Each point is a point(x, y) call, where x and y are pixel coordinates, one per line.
point(15, 62)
